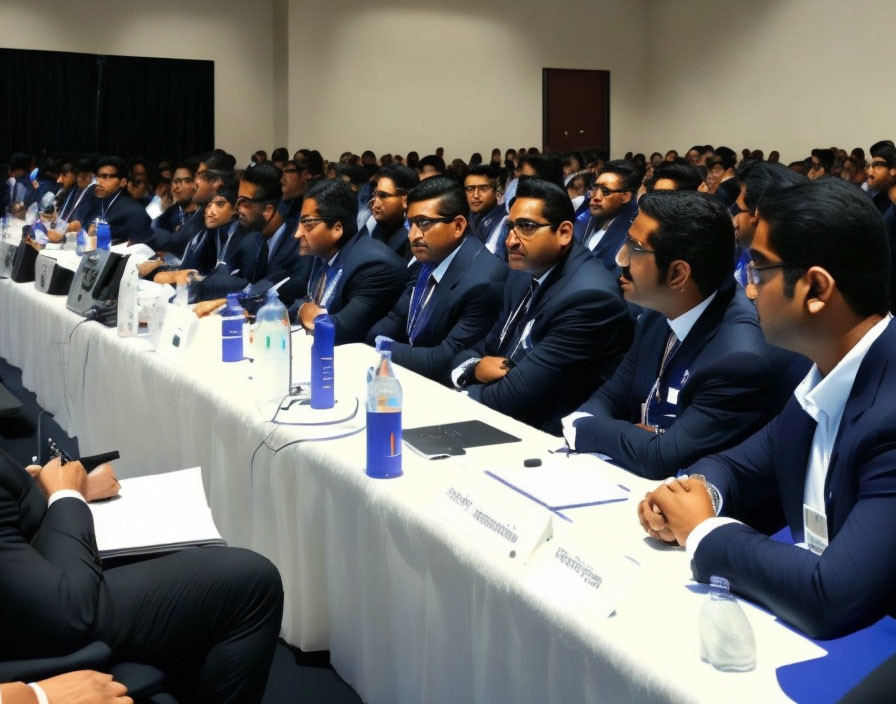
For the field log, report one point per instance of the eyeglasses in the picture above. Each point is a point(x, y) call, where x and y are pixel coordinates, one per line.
point(482, 188)
point(604, 191)
point(290, 170)
point(877, 165)
point(246, 200)
point(527, 228)
point(754, 270)
point(737, 210)
point(635, 248)
point(179, 181)
point(423, 222)
point(307, 223)
point(107, 176)
point(383, 195)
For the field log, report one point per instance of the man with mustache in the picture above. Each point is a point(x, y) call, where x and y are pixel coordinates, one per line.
point(455, 297)
point(698, 376)
point(563, 327)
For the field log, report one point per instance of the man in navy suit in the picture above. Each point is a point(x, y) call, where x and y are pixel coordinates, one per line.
point(611, 210)
point(356, 279)
point(209, 617)
point(819, 276)
point(487, 215)
point(389, 205)
point(456, 296)
point(563, 328)
point(699, 376)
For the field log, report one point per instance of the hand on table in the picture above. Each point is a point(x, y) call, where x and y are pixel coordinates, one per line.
point(181, 276)
point(102, 483)
point(85, 687)
point(675, 508)
point(491, 369)
point(206, 308)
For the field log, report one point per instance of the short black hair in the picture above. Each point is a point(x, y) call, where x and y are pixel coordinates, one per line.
point(826, 158)
point(832, 224)
point(877, 146)
point(556, 205)
point(489, 171)
point(189, 164)
point(547, 167)
point(452, 201)
point(116, 162)
point(693, 227)
point(765, 177)
point(437, 162)
point(358, 175)
point(336, 202)
point(726, 156)
point(631, 177)
point(403, 177)
point(86, 164)
point(309, 160)
point(888, 154)
point(266, 179)
point(280, 154)
point(685, 176)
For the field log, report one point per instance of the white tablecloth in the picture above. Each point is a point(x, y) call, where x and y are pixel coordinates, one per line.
point(411, 609)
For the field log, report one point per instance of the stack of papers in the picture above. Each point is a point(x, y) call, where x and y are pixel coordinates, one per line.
point(157, 513)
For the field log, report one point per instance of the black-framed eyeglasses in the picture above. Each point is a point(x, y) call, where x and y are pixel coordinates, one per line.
point(527, 228)
point(635, 248)
point(480, 188)
point(737, 210)
point(181, 179)
point(383, 195)
point(877, 165)
point(604, 191)
point(309, 222)
point(423, 222)
point(754, 270)
point(291, 170)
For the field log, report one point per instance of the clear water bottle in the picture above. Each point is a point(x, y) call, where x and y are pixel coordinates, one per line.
point(726, 637)
point(128, 303)
point(383, 416)
point(81, 242)
point(271, 363)
point(232, 322)
point(103, 235)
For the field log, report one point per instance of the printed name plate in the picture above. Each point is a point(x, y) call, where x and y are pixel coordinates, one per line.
point(498, 518)
point(574, 572)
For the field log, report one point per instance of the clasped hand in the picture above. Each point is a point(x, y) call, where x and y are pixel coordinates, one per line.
point(671, 511)
point(54, 476)
point(490, 369)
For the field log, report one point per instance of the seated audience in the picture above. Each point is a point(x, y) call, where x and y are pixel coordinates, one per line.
point(819, 278)
point(724, 164)
point(697, 377)
point(354, 278)
point(208, 617)
point(563, 328)
point(457, 294)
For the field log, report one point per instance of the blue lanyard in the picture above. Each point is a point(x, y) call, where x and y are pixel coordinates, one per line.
point(108, 207)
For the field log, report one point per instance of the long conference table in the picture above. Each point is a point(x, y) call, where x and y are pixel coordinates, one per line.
point(416, 600)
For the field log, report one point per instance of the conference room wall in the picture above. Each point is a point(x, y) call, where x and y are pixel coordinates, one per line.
point(235, 35)
point(769, 74)
point(467, 76)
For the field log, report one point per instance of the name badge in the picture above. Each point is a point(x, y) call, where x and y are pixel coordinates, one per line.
point(672, 396)
point(815, 528)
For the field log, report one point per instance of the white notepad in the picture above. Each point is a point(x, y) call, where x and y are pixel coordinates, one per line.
point(157, 513)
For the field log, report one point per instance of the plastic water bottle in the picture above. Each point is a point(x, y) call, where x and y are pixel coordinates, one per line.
point(103, 235)
point(127, 300)
point(232, 322)
point(4, 227)
point(81, 245)
point(271, 363)
point(322, 392)
point(383, 417)
point(726, 637)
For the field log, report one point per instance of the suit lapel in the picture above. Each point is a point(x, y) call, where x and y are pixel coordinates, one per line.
point(462, 261)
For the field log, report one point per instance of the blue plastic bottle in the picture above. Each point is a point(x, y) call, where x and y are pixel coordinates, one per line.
point(232, 321)
point(383, 417)
point(103, 235)
point(322, 393)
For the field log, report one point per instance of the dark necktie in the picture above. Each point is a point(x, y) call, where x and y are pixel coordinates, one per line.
point(419, 298)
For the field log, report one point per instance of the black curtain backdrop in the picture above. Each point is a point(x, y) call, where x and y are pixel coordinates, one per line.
point(53, 102)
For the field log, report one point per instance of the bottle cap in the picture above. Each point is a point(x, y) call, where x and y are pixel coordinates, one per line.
point(383, 343)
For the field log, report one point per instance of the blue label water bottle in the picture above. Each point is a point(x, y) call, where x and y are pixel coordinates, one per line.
point(103, 235)
point(383, 417)
point(232, 321)
point(322, 393)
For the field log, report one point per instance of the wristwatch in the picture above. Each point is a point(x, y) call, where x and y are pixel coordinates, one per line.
point(714, 494)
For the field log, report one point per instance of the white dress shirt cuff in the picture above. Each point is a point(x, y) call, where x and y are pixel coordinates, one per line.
point(41, 695)
point(702, 530)
point(461, 369)
point(569, 430)
point(65, 494)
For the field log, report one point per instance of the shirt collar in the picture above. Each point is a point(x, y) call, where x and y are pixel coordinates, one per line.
point(682, 325)
point(545, 275)
point(440, 270)
point(828, 395)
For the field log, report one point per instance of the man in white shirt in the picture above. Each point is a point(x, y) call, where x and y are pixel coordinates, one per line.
point(819, 276)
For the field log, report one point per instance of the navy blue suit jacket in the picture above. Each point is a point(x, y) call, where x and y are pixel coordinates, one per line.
point(128, 221)
point(612, 240)
point(580, 332)
point(853, 583)
point(372, 279)
point(463, 308)
point(735, 383)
